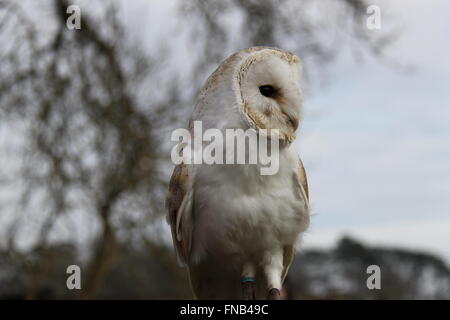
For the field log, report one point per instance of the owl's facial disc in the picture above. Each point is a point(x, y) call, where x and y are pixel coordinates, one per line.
point(270, 92)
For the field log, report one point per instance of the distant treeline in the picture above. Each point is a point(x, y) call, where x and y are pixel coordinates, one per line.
point(151, 272)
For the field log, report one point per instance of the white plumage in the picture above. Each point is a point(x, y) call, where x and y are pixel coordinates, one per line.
point(229, 221)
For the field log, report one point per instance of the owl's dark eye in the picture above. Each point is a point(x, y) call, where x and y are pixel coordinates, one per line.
point(267, 91)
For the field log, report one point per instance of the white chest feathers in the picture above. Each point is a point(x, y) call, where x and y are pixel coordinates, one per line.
point(238, 211)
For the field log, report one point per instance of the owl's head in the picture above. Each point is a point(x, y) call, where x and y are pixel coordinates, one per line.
point(266, 83)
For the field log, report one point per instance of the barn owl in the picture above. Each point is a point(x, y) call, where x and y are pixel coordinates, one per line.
point(234, 229)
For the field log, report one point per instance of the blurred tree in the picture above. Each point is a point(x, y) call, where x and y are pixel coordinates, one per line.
point(91, 139)
point(341, 273)
point(316, 30)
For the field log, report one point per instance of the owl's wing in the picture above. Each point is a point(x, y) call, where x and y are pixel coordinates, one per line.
point(288, 257)
point(302, 189)
point(179, 204)
point(302, 180)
